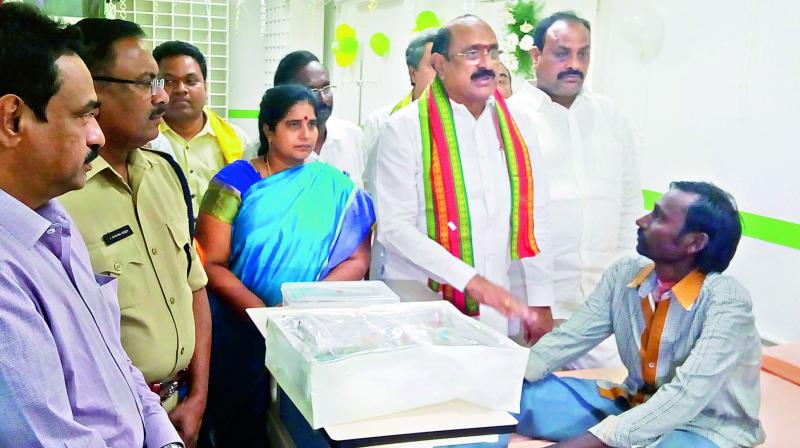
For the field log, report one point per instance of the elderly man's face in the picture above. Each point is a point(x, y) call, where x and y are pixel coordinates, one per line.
point(469, 81)
point(562, 64)
point(60, 149)
point(130, 113)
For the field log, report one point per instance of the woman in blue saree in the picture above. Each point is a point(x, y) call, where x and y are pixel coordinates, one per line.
point(263, 222)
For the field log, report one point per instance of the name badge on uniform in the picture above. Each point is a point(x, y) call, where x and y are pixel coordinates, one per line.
point(117, 235)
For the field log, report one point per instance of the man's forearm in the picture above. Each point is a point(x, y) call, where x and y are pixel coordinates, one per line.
point(198, 367)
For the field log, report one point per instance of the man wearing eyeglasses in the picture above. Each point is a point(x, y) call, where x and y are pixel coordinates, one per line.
point(201, 141)
point(339, 143)
point(135, 218)
point(65, 378)
point(450, 215)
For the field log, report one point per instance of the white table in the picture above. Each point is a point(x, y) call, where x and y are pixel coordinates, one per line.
point(448, 423)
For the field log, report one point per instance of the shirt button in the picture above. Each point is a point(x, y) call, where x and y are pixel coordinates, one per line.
point(191, 171)
point(172, 300)
point(652, 365)
point(153, 251)
point(193, 195)
point(50, 231)
point(117, 266)
point(181, 350)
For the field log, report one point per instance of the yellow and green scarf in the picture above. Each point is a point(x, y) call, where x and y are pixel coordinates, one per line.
point(446, 205)
point(227, 138)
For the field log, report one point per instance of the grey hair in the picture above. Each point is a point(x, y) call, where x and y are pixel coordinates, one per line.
point(416, 48)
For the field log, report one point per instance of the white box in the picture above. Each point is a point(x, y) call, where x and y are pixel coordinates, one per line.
point(327, 294)
point(345, 364)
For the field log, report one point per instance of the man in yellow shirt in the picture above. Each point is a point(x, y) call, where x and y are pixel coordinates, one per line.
point(134, 215)
point(201, 141)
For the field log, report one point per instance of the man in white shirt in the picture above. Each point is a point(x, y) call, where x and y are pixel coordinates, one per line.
point(201, 141)
point(339, 143)
point(420, 73)
point(589, 152)
point(462, 235)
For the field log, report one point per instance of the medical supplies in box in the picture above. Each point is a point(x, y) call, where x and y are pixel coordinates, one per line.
point(344, 364)
point(326, 294)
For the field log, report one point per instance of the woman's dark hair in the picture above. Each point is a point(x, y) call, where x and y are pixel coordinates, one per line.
point(715, 214)
point(275, 104)
point(30, 44)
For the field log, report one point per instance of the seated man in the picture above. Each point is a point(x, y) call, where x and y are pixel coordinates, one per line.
point(685, 333)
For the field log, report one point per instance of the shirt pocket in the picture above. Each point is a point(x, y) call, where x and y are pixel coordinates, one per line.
point(123, 262)
point(182, 246)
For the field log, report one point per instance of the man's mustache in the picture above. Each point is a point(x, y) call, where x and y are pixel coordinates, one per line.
point(570, 72)
point(481, 72)
point(93, 153)
point(159, 110)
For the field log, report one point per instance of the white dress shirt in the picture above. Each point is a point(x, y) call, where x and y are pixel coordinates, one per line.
point(592, 167)
point(342, 149)
point(372, 130)
point(410, 257)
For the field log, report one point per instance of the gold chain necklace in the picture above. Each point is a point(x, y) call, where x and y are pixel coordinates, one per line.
point(269, 169)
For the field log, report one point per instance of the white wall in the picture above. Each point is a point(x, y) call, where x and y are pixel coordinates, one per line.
point(718, 102)
point(253, 58)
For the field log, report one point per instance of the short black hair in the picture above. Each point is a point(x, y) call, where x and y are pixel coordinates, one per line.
point(286, 73)
point(714, 213)
point(416, 48)
point(547, 22)
point(99, 36)
point(275, 104)
point(30, 44)
point(181, 48)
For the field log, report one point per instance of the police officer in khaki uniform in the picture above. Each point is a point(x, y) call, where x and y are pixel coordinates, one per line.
point(135, 218)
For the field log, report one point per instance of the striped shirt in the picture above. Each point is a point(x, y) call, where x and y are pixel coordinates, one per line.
point(693, 358)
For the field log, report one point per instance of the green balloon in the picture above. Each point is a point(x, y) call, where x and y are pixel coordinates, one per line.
point(380, 44)
point(344, 31)
point(427, 19)
point(348, 45)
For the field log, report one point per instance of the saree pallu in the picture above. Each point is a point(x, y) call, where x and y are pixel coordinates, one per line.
point(297, 225)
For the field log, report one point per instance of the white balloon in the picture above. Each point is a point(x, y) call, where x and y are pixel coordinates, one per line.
point(643, 29)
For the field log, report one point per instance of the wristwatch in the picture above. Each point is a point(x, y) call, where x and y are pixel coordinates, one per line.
point(173, 445)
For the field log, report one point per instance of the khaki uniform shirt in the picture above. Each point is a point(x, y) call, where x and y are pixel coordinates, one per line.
point(200, 158)
point(155, 295)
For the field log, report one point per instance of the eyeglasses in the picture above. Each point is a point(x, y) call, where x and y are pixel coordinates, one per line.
point(327, 90)
point(473, 56)
point(153, 83)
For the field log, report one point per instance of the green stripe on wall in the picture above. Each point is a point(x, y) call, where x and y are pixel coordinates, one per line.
point(762, 228)
point(242, 113)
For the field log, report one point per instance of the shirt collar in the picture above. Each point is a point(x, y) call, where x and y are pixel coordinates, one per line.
point(460, 108)
point(163, 127)
point(25, 224)
point(686, 291)
point(540, 98)
point(334, 130)
point(136, 158)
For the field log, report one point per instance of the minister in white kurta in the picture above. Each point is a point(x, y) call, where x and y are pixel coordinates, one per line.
point(410, 257)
